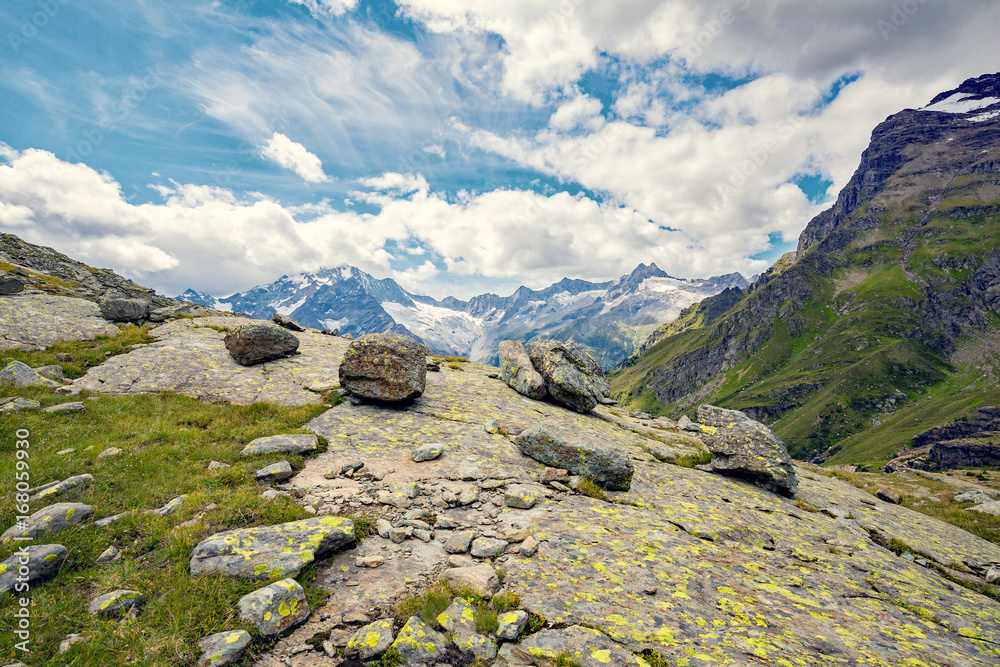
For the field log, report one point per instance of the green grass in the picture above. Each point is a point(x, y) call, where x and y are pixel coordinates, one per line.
point(432, 602)
point(168, 441)
point(82, 355)
point(589, 488)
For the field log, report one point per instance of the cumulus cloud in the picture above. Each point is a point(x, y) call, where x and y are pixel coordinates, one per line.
point(504, 234)
point(294, 156)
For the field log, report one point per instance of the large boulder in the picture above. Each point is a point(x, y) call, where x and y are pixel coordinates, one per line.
point(267, 553)
point(49, 519)
point(572, 375)
point(117, 308)
point(281, 444)
point(252, 344)
point(586, 647)
point(20, 375)
point(746, 448)
point(580, 454)
point(385, 367)
point(275, 608)
point(10, 284)
point(517, 371)
point(39, 562)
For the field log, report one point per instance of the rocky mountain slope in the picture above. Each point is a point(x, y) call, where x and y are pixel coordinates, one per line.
point(611, 317)
point(886, 320)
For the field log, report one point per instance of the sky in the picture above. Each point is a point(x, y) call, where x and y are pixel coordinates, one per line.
point(457, 146)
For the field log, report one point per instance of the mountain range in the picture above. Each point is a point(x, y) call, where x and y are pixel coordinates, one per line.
point(886, 319)
point(613, 317)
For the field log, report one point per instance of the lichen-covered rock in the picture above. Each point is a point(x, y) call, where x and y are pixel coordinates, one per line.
point(115, 604)
point(572, 375)
point(371, 640)
point(73, 406)
point(49, 519)
point(252, 344)
point(276, 472)
point(281, 444)
point(510, 624)
point(487, 547)
point(577, 452)
point(973, 497)
point(385, 367)
point(10, 284)
point(746, 448)
point(584, 646)
point(115, 308)
point(177, 310)
point(275, 607)
point(418, 643)
point(889, 496)
point(271, 552)
point(68, 484)
point(171, 506)
point(521, 496)
point(517, 371)
point(478, 645)
point(41, 320)
point(459, 618)
point(19, 405)
point(427, 452)
point(31, 565)
point(481, 578)
point(286, 322)
point(19, 375)
point(223, 648)
point(459, 542)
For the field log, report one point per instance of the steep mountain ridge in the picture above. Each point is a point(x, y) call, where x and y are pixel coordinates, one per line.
point(875, 304)
point(613, 317)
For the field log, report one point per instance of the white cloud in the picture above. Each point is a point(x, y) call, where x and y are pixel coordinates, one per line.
point(334, 7)
point(294, 156)
point(218, 242)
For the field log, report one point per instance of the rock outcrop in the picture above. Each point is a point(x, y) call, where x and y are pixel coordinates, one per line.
point(572, 375)
point(558, 447)
point(385, 367)
point(746, 448)
point(252, 344)
point(517, 371)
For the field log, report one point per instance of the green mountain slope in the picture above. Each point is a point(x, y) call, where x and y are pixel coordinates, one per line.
point(881, 316)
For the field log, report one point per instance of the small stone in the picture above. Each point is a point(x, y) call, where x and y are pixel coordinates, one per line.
point(68, 484)
point(352, 467)
point(115, 604)
point(427, 452)
point(422, 535)
point(216, 465)
point(383, 528)
point(559, 486)
point(468, 495)
point(76, 406)
point(107, 521)
point(271, 494)
point(460, 542)
point(19, 375)
point(369, 561)
point(20, 405)
point(223, 648)
point(110, 451)
point(64, 452)
point(67, 643)
point(276, 472)
point(109, 556)
point(511, 624)
point(890, 496)
point(356, 618)
point(492, 426)
point(281, 444)
point(520, 496)
point(171, 506)
point(486, 547)
point(69, 391)
point(993, 576)
point(44, 561)
point(275, 607)
point(398, 535)
point(51, 519)
point(457, 560)
point(529, 547)
point(479, 646)
point(371, 640)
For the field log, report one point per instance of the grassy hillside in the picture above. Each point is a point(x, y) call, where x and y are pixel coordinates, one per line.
point(868, 337)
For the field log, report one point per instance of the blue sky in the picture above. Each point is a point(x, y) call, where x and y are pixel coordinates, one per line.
point(458, 147)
